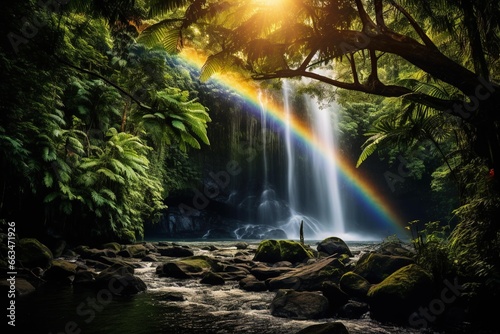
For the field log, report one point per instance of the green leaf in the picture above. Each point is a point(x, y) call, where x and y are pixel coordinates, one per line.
point(179, 125)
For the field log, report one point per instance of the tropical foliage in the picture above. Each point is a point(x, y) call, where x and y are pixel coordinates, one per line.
point(99, 118)
point(436, 63)
point(89, 118)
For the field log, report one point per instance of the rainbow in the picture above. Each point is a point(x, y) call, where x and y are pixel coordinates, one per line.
point(367, 192)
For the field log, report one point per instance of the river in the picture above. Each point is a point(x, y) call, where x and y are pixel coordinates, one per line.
point(202, 309)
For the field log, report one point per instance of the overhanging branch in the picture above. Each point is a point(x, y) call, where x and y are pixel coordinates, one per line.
point(380, 89)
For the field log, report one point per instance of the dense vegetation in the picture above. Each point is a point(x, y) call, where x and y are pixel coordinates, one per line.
point(90, 121)
point(98, 116)
point(427, 71)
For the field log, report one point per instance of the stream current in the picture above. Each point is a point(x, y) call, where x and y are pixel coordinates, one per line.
point(196, 309)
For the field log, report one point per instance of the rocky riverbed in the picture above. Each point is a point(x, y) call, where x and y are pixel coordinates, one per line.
point(206, 287)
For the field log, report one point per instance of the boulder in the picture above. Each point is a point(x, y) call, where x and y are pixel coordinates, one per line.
point(110, 261)
point(355, 285)
point(211, 278)
point(94, 253)
point(310, 277)
point(273, 251)
point(353, 310)
point(262, 272)
point(251, 283)
point(175, 251)
point(400, 294)
point(334, 245)
point(113, 246)
point(119, 280)
point(32, 253)
point(149, 258)
point(299, 305)
point(376, 267)
point(336, 297)
point(137, 251)
point(60, 270)
point(241, 245)
point(190, 267)
point(22, 287)
point(231, 272)
point(84, 277)
point(396, 249)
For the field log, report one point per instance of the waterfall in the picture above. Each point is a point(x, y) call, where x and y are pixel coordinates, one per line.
point(291, 185)
point(293, 182)
point(263, 122)
point(268, 211)
point(312, 180)
point(325, 178)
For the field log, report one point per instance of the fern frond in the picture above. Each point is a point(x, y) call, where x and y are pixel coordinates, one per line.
point(167, 33)
point(370, 146)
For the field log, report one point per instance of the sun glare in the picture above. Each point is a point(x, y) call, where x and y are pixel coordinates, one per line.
point(273, 3)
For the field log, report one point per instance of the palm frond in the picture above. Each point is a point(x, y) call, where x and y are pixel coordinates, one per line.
point(160, 8)
point(370, 146)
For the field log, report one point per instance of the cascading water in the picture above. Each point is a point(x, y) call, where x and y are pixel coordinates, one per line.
point(312, 183)
point(288, 182)
point(269, 206)
point(325, 176)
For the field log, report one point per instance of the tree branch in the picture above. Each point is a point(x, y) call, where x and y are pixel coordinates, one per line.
point(368, 25)
point(308, 59)
point(379, 12)
point(379, 89)
point(427, 41)
point(426, 58)
point(353, 68)
point(373, 78)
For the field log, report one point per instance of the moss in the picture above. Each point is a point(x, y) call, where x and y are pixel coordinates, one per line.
point(294, 251)
point(268, 251)
point(400, 294)
point(201, 262)
point(331, 273)
point(402, 282)
point(354, 284)
point(376, 267)
point(188, 267)
point(113, 246)
point(32, 253)
point(282, 250)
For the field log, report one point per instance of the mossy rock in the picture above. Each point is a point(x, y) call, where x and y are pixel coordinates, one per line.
point(354, 285)
point(60, 270)
point(273, 251)
point(377, 267)
point(113, 246)
point(31, 253)
point(137, 250)
point(203, 262)
point(194, 266)
point(334, 245)
point(400, 294)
